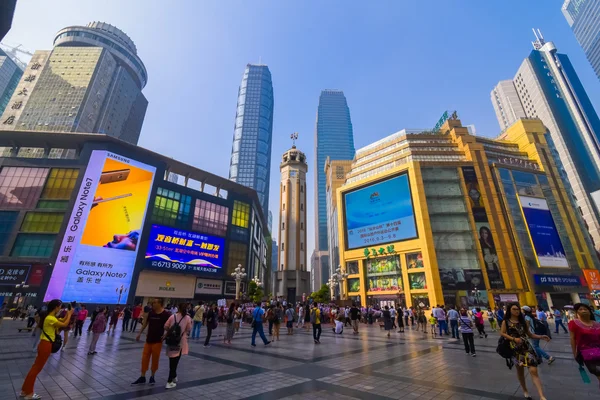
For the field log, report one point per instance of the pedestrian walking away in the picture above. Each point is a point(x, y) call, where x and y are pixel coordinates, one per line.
point(516, 330)
point(453, 317)
point(229, 319)
point(210, 320)
point(94, 314)
point(31, 310)
point(400, 320)
point(354, 317)
point(157, 318)
point(585, 339)
point(198, 318)
point(466, 329)
point(257, 325)
point(290, 315)
point(536, 327)
point(479, 323)
point(127, 313)
point(315, 320)
point(49, 343)
point(114, 318)
point(98, 328)
point(178, 327)
point(491, 319)
point(300, 316)
point(136, 316)
point(558, 320)
point(543, 317)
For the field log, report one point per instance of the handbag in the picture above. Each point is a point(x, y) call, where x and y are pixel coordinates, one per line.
point(56, 344)
point(591, 354)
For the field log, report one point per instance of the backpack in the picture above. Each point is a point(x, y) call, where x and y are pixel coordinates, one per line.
point(174, 334)
point(229, 317)
point(313, 316)
point(538, 327)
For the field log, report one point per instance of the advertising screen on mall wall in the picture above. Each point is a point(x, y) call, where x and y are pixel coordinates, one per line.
point(98, 251)
point(171, 249)
point(380, 213)
point(542, 230)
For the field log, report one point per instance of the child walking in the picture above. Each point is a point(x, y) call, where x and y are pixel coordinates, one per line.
point(433, 323)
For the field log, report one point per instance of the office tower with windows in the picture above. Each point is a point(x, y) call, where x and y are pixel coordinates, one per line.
point(10, 74)
point(583, 16)
point(253, 133)
point(548, 88)
point(334, 139)
point(91, 81)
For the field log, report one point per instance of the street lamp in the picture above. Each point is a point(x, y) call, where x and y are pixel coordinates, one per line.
point(238, 274)
point(341, 276)
point(333, 281)
point(257, 281)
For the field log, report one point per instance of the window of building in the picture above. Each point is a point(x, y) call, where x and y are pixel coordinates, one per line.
point(60, 184)
point(301, 246)
point(21, 187)
point(52, 204)
point(301, 207)
point(283, 226)
point(237, 255)
point(171, 208)
point(210, 218)
point(7, 222)
point(42, 222)
point(33, 245)
point(301, 189)
point(283, 207)
point(282, 246)
point(241, 214)
point(301, 225)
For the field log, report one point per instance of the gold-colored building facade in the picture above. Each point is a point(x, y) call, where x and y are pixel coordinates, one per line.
point(473, 244)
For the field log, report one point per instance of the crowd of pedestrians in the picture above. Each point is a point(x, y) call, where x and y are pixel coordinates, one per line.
point(521, 330)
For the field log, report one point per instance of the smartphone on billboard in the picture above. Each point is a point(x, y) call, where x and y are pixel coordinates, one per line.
point(114, 176)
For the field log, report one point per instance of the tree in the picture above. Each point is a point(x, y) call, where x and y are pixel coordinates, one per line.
point(254, 292)
point(323, 295)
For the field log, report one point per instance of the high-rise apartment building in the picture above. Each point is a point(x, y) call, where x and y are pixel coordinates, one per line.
point(10, 74)
point(583, 16)
point(507, 104)
point(334, 138)
point(253, 133)
point(292, 280)
point(91, 81)
point(548, 88)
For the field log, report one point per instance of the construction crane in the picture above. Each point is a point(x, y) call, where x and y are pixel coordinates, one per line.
point(12, 51)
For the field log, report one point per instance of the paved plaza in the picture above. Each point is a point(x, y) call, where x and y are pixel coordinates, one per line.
point(344, 367)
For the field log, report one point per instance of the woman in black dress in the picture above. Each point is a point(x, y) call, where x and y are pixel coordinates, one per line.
point(387, 320)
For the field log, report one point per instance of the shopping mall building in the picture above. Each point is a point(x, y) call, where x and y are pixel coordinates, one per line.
point(94, 219)
point(446, 217)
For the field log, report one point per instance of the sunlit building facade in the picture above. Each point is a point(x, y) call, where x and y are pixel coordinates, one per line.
point(446, 217)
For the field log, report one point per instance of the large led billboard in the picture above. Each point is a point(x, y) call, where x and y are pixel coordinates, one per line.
point(171, 249)
point(379, 213)
point(542, 230)
point(97, 255)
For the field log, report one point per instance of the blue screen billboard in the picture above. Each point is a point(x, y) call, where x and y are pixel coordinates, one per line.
point(171, 249)
point(542, 230)
point(380, 213)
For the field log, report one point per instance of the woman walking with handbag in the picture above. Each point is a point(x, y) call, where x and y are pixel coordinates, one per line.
point(585, 338)
point(516, 330)
point(176, 339)
point(50, 342)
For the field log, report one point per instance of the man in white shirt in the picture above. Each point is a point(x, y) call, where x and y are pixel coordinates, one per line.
point(440, 314)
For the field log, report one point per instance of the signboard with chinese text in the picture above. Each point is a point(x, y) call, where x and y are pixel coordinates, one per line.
point(557, 280)
point(171, 249)
point(13, 274)
point(592, 276)
point(379, 213)
point(97, 256)
point(209, 286)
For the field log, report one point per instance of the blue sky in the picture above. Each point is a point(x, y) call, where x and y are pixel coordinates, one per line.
point(400, 63)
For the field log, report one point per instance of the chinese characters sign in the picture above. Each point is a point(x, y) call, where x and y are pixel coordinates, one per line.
point(184, 251)
point(557, 280)
point(13, 275)
point(98, 251)
point(389, 250)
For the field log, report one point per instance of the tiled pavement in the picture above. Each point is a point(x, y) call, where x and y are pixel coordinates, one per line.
point(365, 366)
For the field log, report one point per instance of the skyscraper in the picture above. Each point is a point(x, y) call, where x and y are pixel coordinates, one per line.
point(583, 16)
point(548, 88)
point(7, 11)
point(10, 74)
point(334, 139)
point(253, 133)
point(90, 82)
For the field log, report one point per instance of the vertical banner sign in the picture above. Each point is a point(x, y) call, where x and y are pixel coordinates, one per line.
point(542, 230)
point(484, 233)
point(98, 251)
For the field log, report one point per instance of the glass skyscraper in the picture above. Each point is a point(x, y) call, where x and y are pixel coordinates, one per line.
point(253, 133)
point(583, 17)
point(334, 139)
point(10, 74)
point(547, 87)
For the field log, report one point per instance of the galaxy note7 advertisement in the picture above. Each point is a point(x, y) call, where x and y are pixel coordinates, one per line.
point(380, 213)
point(97, 255)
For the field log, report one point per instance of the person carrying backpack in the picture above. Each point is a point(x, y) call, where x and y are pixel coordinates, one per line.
point(537, 327)
point(177, 328)
point(315, 320)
